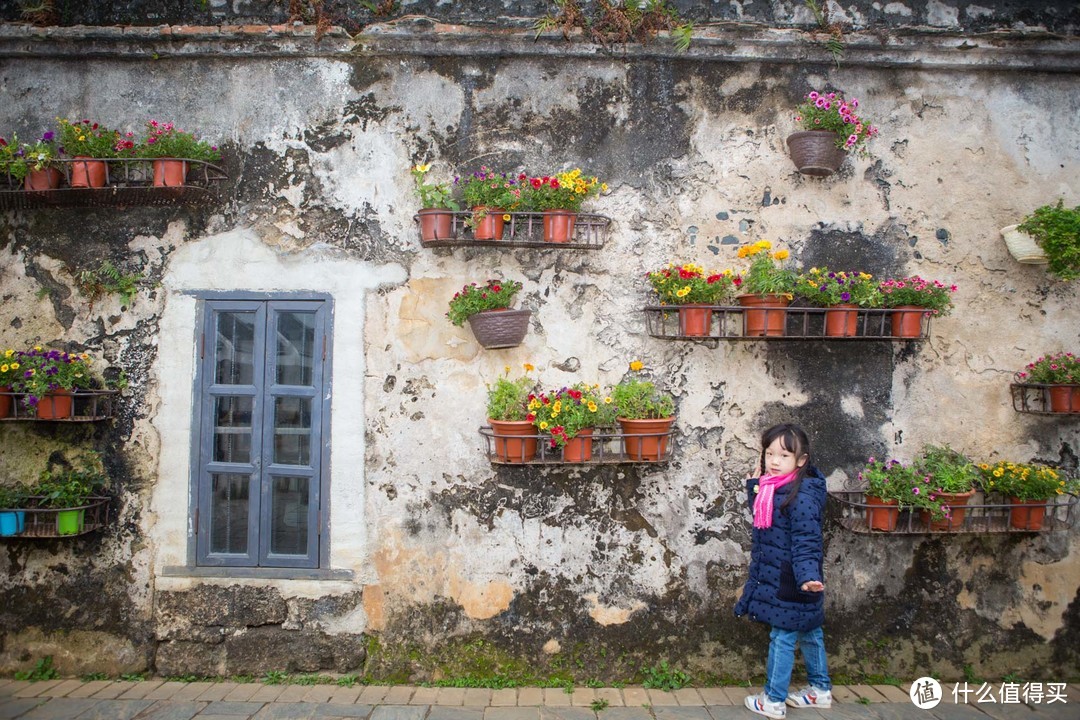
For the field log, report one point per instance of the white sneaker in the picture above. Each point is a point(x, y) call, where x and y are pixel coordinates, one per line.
point(762, 705)
point(810, 696)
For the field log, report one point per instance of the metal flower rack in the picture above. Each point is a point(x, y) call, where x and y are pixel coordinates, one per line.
point(524, 229)
point(34, 522)
point(130, 183)
point(607, 447)
point(799, 323)
point(984, 514)
point(1046, 399)
point(86, 406)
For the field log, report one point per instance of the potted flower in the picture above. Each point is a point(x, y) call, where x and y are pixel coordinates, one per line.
point(843, 293)
point(559, 197)
point(509, 416)
point(487, 308)
point(766, 286)
point(490, 195)
point(12, 516)
point(831, 129)
point(569, 416)
point(912, 298)
point(695, 291)
point(9, 372)
point(33, 163)
point(1029, 489)
point(1061, 373)
point(69, 490)
point(948, 482)
point(170, 149)
point(89, 144)
point(888, 487)
point(1056, 230)
point(645, 415)
point(436, 203)
point(47, 379)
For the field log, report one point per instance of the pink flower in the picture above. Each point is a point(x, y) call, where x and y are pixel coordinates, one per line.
point(813, 95)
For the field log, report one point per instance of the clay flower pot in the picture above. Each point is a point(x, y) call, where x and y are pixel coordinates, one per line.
point(170, 172)
point(89, 173)
point(907, 321)
point(695, 320)
point(487, 223)
point(559, 225)
point(1027, 514)
point(957, 503)
point(47, 179)
point(768, 318)
point(578, 449)
point(436, 224)
point(842, 321)
point(1064, 398)
point(511, 442)
point(881, 514)
point(646, 439)
point(54, 406)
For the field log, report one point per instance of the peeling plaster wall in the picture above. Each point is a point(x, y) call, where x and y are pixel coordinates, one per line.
point(612, 566)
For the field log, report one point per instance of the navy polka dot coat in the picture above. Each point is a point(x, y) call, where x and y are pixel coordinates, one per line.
point(785, 556)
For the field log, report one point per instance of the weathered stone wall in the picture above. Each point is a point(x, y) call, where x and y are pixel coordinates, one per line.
point(597, 570)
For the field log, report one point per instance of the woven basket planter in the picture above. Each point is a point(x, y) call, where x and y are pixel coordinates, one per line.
point(500, 328)
point(815, 153)
point(1023, 247)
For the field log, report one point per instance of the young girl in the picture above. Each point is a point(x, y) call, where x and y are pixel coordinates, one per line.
point(786, 588)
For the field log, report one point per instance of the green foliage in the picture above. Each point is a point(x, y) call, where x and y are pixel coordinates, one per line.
point(691, 284)
point(471, 299)
point(94, 676)
point(489, 189)
point(275, 677)
point(598, 705)
point(1057, 230)
point(833, 42)
point(566, 412)
point(38, 371)
point(561, 191)
point(68, 486)
point(640, 400)
point(163, 140)
point(1056, 369)
point(932, 295)
point(493, 682)
point(618, 22)
point(436, 196)
point(767, 275)
point(826, 288)
point(83, 138)
point(888, 480)
point(108, 280)
point(133, 677)
point(949, 470)
point(1025, 482)
point(347, 681)
point(665, 677)
point(508, 399)
point(43, 670)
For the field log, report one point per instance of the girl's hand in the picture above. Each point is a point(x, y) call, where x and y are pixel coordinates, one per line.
point(755, 472)
point(813, 586)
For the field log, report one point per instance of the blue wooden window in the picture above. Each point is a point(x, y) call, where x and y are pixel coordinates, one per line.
point(263, 418)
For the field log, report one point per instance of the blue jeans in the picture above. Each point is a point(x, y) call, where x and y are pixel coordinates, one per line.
point(782, 660)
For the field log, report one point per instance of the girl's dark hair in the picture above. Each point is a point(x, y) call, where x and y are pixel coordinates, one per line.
point(793, 439)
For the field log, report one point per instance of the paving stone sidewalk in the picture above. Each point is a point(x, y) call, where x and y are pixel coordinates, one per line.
point(162, 700)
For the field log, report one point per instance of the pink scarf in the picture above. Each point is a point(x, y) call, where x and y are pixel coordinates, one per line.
point(763, 503)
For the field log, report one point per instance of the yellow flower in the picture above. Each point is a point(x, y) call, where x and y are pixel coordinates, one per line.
point(422, 168)
point(811, 283)
point(506, 217)
point(814, 271)
point(557, 407)
point(9, 353)
point(506, 369)
point(529, 367)
point(743, 252)
point(592, 406)
point(603, 187)
point(14, 366)
point(636, 365)
point(763, 244)
point(81, 138)
point(3, 368)
point(781, 254)
point(37, 348)
point(683, 292)
point(543, 425)
point(84, 356)
point(999, 472)
point(984, 466)
point(607, 400)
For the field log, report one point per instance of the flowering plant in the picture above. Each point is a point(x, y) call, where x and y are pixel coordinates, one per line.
point(636, 399)
point(826, 288)
point(933, 295)
point(566, 412)
point(949, 471)
point(471, 299)
point(436, 196)
point(1058, 369)
point(37, 372)
point(21, 158)
point(766, 276)
point(508, 399)
point(888, 480)
point(164, 140)
point(689, 283)
point(1056, 229)
point(830, 111)
point(1024, 482)
point(87, 139)
point(564, 191)
point(486, 188)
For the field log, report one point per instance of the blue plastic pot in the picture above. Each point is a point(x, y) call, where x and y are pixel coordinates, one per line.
point(12, 522)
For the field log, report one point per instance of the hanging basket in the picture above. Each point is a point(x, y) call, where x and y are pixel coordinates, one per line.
point(1023, 247)
point(815, 153)
point(500, 328)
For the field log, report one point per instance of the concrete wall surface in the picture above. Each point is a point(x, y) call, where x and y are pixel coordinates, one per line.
point(439, 563)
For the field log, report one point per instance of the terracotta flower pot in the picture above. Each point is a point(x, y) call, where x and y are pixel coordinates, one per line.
point(695, 320)
point(511, 445)
point(559, 225)
point(170, 172)
point(768, 316)
point(1064, 398)
point(54, 406)
point(487, 223)
point(47, 179)
point(907, 321)
point(814, 152)
point(957, 503)
point(436, 224)
point(882, 514)
point(842, 320)
point(646, 439)
point(89, 173)
point(1027, 514)
point(578, 449)
point(5, 401)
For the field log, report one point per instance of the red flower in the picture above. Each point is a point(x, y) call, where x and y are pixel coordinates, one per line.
point(554, 184)
point(496, 288)
point(530, 417)
point(536, 183)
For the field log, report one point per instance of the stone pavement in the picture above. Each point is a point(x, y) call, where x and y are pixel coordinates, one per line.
point(162, 700)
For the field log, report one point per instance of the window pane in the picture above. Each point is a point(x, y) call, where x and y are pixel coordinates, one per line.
point(295, 348)
point(235, 344)
point(229, 513)
point(232, 429)
point(292, 431)
point(289, 519)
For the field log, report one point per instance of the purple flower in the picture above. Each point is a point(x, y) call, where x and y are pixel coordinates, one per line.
point(915, 490)
point(845, 296)
point(48, 136)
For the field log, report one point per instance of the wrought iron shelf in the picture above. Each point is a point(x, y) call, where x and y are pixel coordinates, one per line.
point(607, 447)
point(1036, 399)
point(130, 184)
point(979, 517)
point(86, 406)
point(523, 230)
point(800, 323)
point(37, 523)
